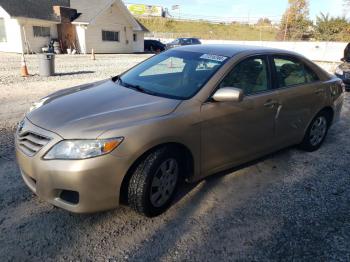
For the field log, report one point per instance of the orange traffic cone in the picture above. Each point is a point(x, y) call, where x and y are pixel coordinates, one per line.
point(24, 69)
point(93, 54)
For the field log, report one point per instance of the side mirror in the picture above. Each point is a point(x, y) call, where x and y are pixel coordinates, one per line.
point(342, 59)
point(228, 94)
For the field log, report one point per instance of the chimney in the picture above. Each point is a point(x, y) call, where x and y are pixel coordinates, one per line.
point(66, 14)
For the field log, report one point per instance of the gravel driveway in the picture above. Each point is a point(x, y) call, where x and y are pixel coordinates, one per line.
point(291, 205)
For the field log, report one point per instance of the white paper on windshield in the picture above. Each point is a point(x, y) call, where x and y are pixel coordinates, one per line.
point(218, 58)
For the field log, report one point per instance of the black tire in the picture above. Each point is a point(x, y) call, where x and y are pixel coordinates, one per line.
point(140, 184)
point(308, 144)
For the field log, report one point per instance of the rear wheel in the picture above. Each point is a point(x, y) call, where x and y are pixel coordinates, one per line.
point(316, 132)
point(154, 182)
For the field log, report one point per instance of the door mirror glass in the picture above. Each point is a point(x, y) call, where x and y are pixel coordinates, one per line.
point(228, 94)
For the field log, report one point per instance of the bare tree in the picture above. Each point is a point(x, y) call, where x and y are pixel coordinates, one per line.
point(295, 22)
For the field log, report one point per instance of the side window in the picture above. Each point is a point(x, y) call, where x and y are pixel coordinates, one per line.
point(310, 75)
point(290, 72)
point(250, 75)
point(41, 31)
point(195, 41)
point(110, 36)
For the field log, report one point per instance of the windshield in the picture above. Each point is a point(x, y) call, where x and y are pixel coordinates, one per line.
point(173, 74)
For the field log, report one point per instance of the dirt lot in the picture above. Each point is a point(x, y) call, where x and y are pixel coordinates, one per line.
point(288, 206)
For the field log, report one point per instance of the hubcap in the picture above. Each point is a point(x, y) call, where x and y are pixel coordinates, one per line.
point(318, 130)
point(164, 182)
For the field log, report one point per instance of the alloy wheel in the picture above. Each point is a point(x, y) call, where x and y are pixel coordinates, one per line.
point(164, 182)
point(318, 130)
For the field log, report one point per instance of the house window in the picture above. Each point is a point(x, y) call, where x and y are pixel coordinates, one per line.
point(134, 37)
point(2, 30)
point(110, 36)
point(41, 31)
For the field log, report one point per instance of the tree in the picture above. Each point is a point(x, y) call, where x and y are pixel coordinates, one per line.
point(331, 28)
point(295, 23)
point(264, 22)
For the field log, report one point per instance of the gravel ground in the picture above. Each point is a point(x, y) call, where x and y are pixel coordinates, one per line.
point(71, 71)
point(290, 206)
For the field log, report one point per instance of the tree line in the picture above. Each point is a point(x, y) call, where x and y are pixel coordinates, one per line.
point(296, 24)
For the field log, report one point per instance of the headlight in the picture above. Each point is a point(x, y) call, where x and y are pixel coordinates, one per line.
point(82, 149)
point(38, 104)
point(339, 71)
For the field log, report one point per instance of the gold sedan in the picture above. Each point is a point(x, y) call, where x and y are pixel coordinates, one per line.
point(184, 114)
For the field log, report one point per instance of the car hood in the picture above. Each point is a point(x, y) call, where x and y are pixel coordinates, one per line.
point(87, 111)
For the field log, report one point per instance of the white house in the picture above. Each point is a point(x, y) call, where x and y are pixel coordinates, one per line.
point(27, 25)
point(104, 25)
point(107, 26)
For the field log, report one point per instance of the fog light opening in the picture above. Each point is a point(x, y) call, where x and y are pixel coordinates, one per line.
point(71, 197)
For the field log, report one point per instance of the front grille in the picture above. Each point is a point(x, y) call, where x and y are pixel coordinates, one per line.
point(30, 143)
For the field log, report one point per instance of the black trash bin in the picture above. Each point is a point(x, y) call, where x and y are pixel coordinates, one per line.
point(47, 64)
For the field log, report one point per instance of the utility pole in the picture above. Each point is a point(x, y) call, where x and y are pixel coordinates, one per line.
point(286, 27)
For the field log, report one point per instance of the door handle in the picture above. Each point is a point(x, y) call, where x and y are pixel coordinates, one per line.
point(271, 103)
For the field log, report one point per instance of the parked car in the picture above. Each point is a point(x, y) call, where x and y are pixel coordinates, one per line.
point(343, 72)
point(154, 46)
point(183, 41)
point(181, 115)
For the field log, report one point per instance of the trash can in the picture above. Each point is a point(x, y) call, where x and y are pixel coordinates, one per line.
point(47, 64)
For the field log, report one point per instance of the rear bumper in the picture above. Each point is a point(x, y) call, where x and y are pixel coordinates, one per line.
point(337, 107)
point(346, 81)
point(80, 186)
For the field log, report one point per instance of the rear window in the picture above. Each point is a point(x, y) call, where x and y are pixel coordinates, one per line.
point(291, 72)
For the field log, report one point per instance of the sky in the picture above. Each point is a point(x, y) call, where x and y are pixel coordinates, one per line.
point(246, 10)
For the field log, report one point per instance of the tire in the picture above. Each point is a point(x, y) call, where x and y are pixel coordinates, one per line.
point(316, 132)
point(158, 172)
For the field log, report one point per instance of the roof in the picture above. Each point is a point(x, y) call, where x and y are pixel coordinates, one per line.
point(144, 29)
point(228, 50)
point(37, 9)
point(90, 9)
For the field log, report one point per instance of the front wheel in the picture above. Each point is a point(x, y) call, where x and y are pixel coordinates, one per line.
point(316, 132)
point(154, 182)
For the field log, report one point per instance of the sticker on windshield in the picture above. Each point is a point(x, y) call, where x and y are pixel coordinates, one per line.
point(218, 58)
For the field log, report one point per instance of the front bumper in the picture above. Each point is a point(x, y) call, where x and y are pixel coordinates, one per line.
point(80, 186)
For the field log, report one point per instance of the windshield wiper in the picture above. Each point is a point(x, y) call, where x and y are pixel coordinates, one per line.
point(138, 88)
point(134, 87)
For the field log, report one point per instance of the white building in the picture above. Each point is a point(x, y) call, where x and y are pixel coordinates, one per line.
point(107, 26)
point(104, 25)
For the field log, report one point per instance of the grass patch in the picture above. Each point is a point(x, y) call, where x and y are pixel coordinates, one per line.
point(205, 30)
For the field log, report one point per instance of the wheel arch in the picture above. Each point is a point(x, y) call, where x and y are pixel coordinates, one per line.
point(330, 112)
point(184, 152)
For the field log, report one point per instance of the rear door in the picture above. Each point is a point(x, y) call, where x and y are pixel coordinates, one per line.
point(301, 95)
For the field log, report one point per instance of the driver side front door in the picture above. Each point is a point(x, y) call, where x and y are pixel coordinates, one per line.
point(237, 132)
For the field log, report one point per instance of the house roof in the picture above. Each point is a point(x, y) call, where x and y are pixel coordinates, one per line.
point(90, 9)
point(37, 9)
point(144, 29)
